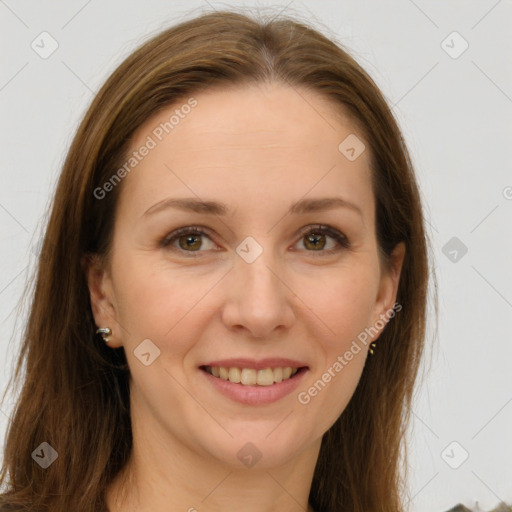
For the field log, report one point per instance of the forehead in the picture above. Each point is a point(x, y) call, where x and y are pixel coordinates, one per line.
point(258, 141)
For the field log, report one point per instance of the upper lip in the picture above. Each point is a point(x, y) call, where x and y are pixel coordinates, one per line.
point(257, 364)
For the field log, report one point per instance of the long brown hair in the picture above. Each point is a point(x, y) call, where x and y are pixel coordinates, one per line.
point(75, 393)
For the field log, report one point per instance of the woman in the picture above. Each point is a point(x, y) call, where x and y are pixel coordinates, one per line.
point(236, 224)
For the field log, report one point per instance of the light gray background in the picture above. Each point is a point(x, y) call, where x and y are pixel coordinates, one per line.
point(456, 116)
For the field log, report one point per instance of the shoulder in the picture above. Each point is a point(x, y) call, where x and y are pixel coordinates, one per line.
point(501, 507)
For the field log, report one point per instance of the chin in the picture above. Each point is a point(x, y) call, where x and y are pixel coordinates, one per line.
point(261, 447)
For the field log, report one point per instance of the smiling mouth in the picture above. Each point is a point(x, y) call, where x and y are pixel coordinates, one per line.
point(253, 377)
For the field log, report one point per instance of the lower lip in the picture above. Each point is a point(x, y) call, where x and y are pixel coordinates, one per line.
point(256, 395)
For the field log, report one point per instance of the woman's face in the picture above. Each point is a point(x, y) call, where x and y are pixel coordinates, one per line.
point(275, 266)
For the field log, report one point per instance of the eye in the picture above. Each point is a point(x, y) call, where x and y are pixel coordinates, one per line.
point(314, 238)
point(188, 239)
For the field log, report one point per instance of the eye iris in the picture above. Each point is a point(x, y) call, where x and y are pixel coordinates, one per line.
point(189, 242)
point(314, 239)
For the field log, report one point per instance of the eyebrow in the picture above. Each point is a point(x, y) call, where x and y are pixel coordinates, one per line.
point(216, 208)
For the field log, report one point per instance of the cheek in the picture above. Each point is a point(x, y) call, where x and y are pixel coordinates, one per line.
point(159, 302)
point(345, 308)
point(345, 305)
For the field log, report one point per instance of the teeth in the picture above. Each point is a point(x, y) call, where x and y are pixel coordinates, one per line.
point(250, 376)
point(234, 375)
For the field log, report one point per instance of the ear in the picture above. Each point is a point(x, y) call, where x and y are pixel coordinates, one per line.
point(388, 289)
point(102, 297)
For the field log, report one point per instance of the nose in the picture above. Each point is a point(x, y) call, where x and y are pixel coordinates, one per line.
point(258, 300)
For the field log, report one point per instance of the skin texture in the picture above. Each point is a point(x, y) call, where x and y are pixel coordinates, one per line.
point(258, 149)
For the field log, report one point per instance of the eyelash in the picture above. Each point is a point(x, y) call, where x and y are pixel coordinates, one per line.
point(317, 229)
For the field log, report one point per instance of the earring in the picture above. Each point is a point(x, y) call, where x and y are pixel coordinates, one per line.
point(105, 333)
point(372, 345)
